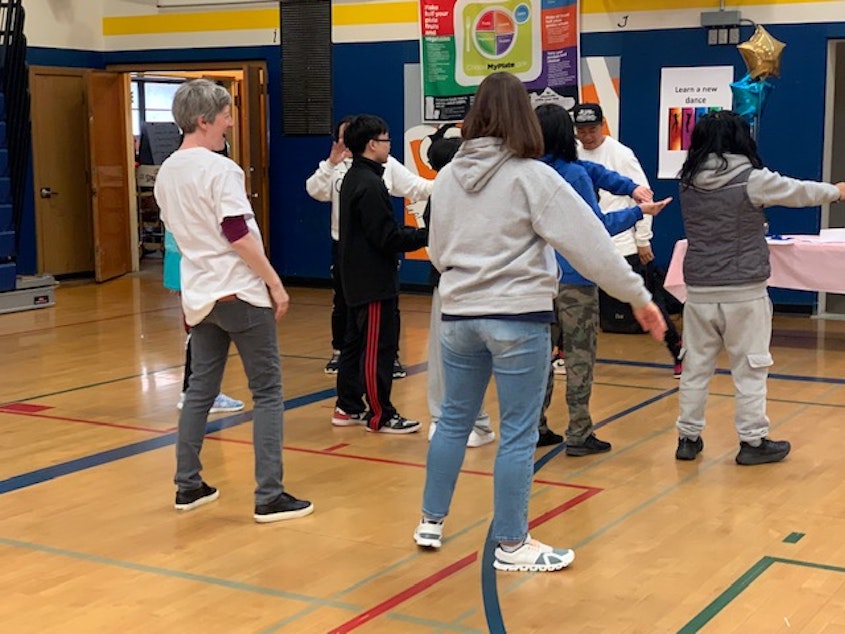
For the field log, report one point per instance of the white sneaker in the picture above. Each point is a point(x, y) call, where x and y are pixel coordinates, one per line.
point(533, 556)
point(222, 403)
point(559, 366)
point(429, 534)
point(478, 437)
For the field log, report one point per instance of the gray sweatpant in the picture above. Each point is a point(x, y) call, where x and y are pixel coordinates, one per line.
point(744, 330)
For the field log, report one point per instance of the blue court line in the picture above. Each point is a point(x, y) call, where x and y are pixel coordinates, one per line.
point(773, 375)
point(41, 475)
point(111, 455)
point(179, 574)
point(489, 590)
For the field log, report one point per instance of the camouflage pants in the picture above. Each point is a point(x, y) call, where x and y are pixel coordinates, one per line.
point(577, 316)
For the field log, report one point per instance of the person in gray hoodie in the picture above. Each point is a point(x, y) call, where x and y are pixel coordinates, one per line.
point(724, 190)
point(498, 280)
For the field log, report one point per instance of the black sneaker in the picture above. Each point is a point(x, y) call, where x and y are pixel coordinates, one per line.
point(284, 507)
point(688, 448)
point(397, 424)
point(333, 364)
point(768, 451)
point(398, 371)
point(188, 500)
point(589, 446)
point(548, 437)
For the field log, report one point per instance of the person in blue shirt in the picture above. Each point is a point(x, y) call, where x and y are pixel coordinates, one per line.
point(576, 306)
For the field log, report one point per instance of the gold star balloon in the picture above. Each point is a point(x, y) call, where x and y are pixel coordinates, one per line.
point(762, 54)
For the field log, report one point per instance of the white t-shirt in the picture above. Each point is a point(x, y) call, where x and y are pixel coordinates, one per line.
point(620, 158)
point(196, 189)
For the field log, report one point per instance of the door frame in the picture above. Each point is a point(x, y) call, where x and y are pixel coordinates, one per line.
point(240, 81)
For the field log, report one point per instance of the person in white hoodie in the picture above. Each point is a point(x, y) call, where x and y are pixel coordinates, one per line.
point(497, 217)
point(324, 185)
point(724, 190)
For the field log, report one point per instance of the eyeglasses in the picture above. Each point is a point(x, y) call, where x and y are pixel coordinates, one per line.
point(381, 140)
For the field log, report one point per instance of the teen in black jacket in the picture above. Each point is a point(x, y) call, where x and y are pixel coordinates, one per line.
point(370, 239)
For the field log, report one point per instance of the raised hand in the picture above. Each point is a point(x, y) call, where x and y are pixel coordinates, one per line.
point(338, 153)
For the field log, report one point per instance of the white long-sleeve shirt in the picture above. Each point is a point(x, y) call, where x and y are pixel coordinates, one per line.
point(620, 158)
point(324, 185)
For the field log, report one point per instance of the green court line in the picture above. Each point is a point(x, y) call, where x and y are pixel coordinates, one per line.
point(735, 589)
point(179, 574)
point(793, 538)
point(704, 466)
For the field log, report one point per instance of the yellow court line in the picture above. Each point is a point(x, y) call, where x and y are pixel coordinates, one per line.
point(248, 19)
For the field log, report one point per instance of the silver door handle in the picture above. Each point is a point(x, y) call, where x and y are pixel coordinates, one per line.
point(46, 192)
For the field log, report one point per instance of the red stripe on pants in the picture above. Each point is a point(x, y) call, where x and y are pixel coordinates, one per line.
point(371, 364)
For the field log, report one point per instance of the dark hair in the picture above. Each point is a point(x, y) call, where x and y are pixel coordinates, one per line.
point(503, 110)
point(558, 132)
point(361, 130)
point(721, 132)
point(441, 151)
point(345, 120)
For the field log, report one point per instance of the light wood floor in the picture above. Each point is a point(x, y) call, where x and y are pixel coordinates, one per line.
point(89, 541)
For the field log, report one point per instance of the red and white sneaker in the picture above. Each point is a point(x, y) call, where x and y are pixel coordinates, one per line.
point(342, 419)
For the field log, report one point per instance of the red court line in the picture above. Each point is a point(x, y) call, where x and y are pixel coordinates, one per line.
point(403, 596)
point(334, 447)
point(420, 586)
point(545, 517)
point(402, 463)
point(24, 408)
point(4, 410)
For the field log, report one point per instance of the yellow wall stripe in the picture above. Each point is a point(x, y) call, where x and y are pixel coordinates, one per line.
point(374, 13)
point(192, 22)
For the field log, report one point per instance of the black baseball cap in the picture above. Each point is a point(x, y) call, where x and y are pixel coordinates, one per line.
point(587, 114)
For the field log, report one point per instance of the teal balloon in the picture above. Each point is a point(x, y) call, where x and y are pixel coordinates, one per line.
point(749, 97)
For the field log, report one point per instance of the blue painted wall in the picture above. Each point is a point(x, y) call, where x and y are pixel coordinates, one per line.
point(369, 78)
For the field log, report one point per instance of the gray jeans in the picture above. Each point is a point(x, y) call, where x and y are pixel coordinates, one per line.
point(744, 329)
point(253, 330)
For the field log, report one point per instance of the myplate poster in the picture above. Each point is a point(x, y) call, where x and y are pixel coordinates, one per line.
point(463, 41)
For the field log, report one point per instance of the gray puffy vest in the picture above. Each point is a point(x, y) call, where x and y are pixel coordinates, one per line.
point(726, 234)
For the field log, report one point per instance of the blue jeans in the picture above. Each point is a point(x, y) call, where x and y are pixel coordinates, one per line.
point(253, 330)
point(517, 354)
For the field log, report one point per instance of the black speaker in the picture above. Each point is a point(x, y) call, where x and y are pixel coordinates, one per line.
point(306, 56)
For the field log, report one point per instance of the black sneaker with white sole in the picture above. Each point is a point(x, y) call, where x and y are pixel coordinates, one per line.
point(399, 371)
point(397, 425)
point(284, 507)
point(188, 500)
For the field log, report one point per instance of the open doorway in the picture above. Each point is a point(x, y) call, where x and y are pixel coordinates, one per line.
point(151, 93)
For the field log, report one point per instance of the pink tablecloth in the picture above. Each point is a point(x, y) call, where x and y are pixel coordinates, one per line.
point(803, 263)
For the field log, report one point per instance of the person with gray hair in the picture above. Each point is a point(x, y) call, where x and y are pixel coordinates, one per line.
point(230, 292)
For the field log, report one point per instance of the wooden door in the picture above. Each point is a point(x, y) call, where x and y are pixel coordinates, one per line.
point(64, 232)
point(257, 173)
point(109, 174)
